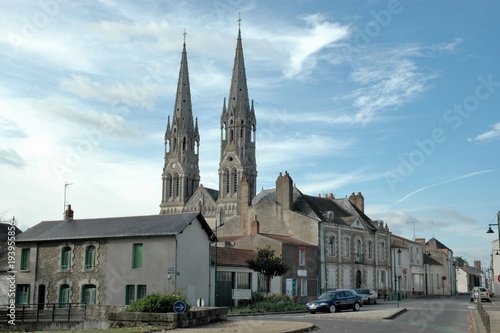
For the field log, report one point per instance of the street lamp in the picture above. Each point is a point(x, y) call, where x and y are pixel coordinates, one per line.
point(395, 277)
point(490, 231)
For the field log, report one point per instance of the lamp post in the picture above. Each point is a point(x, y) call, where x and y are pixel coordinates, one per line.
point(490, 231)
point(396, 277)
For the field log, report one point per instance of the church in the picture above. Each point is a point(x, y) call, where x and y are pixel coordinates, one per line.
point(326, 242)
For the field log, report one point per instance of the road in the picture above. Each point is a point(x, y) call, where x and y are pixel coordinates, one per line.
point(431, 314)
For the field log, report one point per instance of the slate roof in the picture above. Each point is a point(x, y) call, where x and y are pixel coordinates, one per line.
point(287, 240)
point(428, 260)
point(113, 227)
point(228, 256)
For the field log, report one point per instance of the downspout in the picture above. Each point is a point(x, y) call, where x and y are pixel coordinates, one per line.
point(318, 273)
point(35, 294)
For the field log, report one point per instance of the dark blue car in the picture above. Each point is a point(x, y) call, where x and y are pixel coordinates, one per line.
point(335, 300)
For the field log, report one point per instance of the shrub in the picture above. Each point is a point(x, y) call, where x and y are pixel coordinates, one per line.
point(157, 303)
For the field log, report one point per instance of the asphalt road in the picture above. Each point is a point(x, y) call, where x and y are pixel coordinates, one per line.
point(432, 314)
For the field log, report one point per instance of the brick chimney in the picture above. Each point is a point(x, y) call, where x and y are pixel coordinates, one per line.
point(358, 201)
point(68, 214)
point(284, 191)
point(255, 227)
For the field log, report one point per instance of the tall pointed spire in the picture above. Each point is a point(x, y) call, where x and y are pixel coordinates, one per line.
point(181, 175)
point(238, 126)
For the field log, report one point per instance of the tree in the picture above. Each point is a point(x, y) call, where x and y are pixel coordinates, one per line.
point(267, 264)
point(460, 262)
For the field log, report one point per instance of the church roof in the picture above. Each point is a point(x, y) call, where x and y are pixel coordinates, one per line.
point(113, 227)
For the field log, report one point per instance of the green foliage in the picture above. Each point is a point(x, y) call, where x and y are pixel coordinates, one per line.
point(157, 303)
point(269, 303)
point(268, 264)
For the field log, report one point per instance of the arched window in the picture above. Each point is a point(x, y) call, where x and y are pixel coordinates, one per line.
point(331, 245)
point(89, 294)
point(66, 258)
point(63, 295)
point(90, 257)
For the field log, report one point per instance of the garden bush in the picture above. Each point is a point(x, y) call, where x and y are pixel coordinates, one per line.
point(157, 303)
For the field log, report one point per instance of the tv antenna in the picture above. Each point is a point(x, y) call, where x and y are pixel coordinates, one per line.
point(413, 222)
point(65, 187)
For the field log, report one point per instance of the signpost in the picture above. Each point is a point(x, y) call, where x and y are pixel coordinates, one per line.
point(242, 293)
point(179, 307)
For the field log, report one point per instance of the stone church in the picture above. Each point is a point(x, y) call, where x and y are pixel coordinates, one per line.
point(326, 242)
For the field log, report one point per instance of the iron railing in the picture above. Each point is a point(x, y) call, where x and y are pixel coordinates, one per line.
point(48, 312)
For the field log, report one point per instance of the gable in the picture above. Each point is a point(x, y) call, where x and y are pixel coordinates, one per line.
point(202, 197)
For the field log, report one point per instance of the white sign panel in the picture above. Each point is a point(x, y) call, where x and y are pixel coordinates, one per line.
point(242, 293)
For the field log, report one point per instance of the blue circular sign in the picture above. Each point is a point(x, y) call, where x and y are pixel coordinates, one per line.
point(179, 307)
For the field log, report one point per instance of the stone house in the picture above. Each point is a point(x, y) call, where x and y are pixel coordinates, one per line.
point(440, 269)
point(113, 261)
point(408, 274)
point(467, 278)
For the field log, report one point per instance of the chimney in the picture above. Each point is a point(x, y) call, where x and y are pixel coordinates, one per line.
point(420, 241)
point(477, 264)
point(255, 227)
point(68, 214)
point(284, 191)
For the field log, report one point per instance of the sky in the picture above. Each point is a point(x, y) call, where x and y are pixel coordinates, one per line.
point(397, 100)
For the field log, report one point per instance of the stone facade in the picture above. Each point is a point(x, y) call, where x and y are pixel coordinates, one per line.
point(50, 274)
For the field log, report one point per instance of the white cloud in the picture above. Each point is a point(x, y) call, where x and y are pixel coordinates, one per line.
point(493, 134)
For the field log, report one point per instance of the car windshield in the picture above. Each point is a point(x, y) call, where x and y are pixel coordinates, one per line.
point(327, 295)
point(362, 291)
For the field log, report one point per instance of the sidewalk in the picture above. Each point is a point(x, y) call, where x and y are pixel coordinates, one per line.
point(493, 310)
point(257, 324)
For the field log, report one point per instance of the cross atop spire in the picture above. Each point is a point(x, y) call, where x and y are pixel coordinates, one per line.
point(184, 34)
point(239, 20)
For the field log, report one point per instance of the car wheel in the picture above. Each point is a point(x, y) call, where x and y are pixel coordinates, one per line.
point(356, 307)
point(312, 312)
point(332, 308)
point(472, 299)
point(375, 301)
point(368, 301)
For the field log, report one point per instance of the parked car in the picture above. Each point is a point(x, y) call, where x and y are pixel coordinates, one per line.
point(482, 291)
point(335, 300)
point(368, 296)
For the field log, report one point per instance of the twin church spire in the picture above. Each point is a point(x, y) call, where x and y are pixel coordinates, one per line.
point(181, 176)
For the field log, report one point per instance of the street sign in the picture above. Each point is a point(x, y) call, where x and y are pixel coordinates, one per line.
point(498, 278)
point(200, 303)
point(179, 307)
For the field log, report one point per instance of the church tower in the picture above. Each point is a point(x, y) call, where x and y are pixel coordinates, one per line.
point(238, 128)
point(181, 175)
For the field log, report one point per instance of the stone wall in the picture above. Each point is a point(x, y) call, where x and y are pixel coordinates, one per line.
point(52, 276)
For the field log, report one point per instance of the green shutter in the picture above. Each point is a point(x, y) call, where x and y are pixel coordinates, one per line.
point(137, 256)
point(141, 291)
point(25, 259)
point(63, 295)
point(23, 293)
point(90, 257)
point(66, 258)
point(129, 294)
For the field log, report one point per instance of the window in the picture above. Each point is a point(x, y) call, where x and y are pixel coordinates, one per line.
point(381, 254)
point(399, 257)
point(331, 245)
point(303, 287)
point(243, 280)
point(63, 295)
point(358, 250)
point(137, 256)
point(66, 258)
point(90, 257)
point(23, 293)
point(141, 291)
point(89, 294)
point(129, 294)
point(302, 257)
point(382, 279)
point(347, 245)
point(235, 181)
point(25, 259)
point(370, 250)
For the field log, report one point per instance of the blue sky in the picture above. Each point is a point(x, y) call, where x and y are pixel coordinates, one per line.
point(397, 100)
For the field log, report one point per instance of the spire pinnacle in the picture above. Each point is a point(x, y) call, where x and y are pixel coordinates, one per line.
point(239, 20)
point(184, 34)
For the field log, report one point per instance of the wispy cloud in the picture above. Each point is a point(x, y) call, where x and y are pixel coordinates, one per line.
point(493, 134)
point(10, 157)
point(472, 174)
